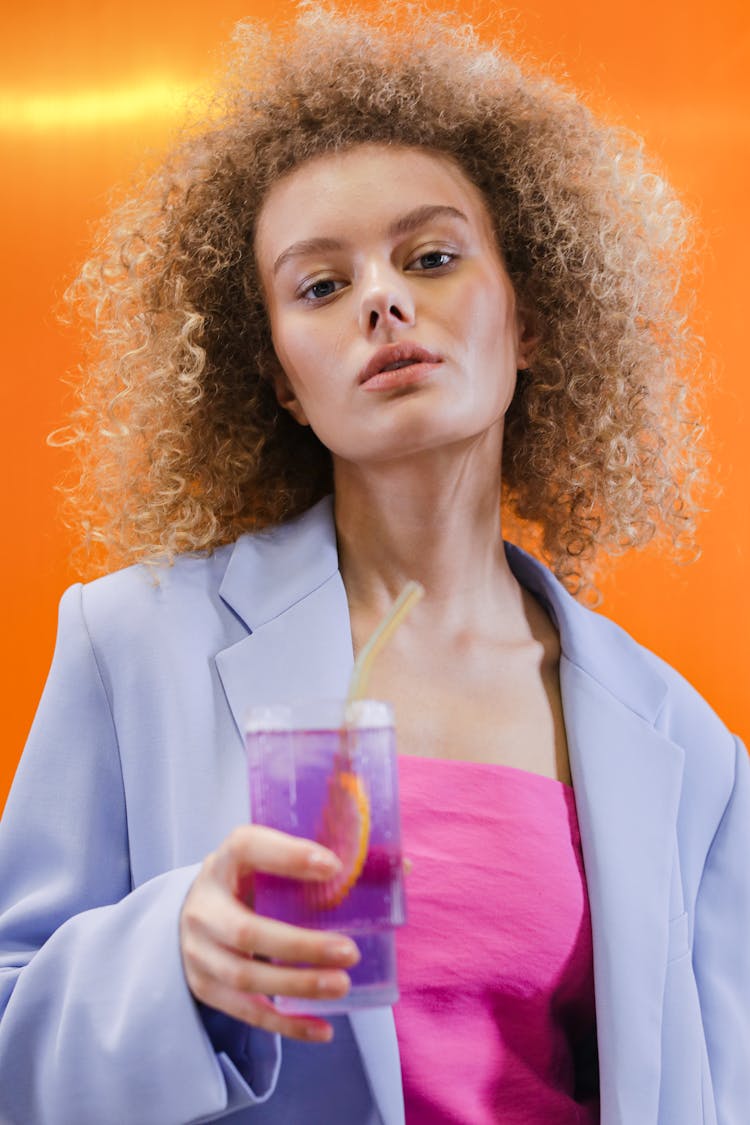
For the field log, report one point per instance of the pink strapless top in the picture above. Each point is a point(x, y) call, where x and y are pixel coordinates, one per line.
point(495, 963)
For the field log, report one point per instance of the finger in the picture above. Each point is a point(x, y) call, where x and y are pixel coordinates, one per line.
point(312, 984)
point(219, 917)
point(252, 847)
point(281, 941)
point(260, 1012)
point(217, 967)
point(408, 865)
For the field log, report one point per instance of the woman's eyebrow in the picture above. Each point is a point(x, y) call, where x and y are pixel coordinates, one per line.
point(427, 213)
point(306, 246)
point(404, 224)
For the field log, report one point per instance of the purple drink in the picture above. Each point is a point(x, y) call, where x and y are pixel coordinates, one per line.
point(311, 779)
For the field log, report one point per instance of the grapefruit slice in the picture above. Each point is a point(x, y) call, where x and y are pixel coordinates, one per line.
point(345, 829)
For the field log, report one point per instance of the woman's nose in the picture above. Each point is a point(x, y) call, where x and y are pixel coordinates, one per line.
point(386, 302)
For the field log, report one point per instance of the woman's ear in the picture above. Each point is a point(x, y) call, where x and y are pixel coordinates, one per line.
point(528, 338)
point(285, 395)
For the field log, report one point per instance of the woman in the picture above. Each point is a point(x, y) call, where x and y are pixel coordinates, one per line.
point(398, 288)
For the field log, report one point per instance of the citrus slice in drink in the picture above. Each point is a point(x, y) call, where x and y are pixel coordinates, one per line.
point(345, 829)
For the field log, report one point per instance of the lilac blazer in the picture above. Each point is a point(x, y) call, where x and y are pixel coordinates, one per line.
point(134, 771)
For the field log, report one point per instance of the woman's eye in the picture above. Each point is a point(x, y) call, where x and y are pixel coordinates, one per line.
point(433, 260)
point(319, 290)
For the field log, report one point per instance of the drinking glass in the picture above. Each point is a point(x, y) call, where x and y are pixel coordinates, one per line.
point(327, 771)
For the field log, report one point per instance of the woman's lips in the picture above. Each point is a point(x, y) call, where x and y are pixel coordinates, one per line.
point(406, 376)
point(398, 365)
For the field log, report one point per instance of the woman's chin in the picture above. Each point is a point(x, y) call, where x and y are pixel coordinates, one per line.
point(422, 445)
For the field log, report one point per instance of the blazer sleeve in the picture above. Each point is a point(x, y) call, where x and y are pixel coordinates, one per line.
point(97, 1023)
point(721, 950)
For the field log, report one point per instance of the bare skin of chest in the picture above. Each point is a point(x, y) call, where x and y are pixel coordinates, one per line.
point(478, 700)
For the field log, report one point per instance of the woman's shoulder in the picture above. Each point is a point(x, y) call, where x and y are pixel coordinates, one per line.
point(147, 606)
point(643, 682)
point(158, 582)
point(680, 713)
point(255, 557)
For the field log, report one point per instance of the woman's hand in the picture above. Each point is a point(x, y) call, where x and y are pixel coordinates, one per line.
point(226, 946)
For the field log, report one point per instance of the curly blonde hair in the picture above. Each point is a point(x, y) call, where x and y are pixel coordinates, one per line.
point(183, 445)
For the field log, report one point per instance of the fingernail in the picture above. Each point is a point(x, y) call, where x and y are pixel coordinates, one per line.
point(334, 986)
point(319, 1033)
point(343, 951)
point(324, 862)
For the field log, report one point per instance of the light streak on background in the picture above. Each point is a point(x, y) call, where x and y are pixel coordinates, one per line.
point(160, 97)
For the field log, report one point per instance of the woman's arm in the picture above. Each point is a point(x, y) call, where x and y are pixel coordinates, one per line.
point(97, 1023)
point(721, 950)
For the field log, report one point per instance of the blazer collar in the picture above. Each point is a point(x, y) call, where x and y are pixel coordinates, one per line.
point(270, 572)
point(286, 587)
point(591, 642)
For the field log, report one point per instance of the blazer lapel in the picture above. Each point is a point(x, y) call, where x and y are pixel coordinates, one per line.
point(375, 1032)
point(627, 780)
point(303, 653)
point(286, 588)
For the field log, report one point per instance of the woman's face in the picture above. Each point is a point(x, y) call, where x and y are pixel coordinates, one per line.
point(393, 318)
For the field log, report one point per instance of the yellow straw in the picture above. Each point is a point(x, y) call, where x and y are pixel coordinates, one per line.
point(343, 776)
point(406, 600)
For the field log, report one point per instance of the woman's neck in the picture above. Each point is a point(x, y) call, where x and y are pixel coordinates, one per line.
point(442, 527)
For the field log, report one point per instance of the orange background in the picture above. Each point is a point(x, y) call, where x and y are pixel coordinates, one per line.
point(82, 98)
